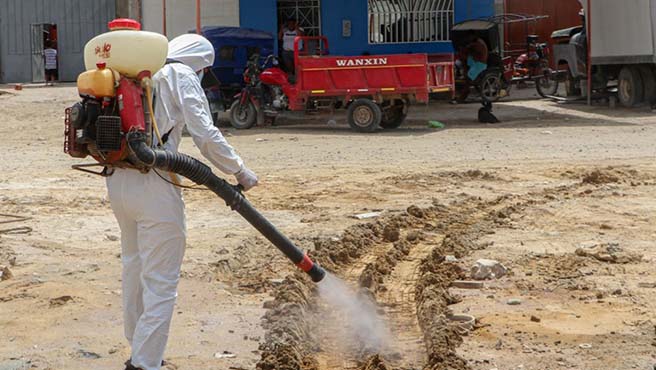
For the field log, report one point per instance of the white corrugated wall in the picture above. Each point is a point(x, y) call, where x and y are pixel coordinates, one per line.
point(77, 22)
point(181, 15)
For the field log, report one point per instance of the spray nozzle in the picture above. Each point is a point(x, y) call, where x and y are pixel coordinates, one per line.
point(316, 272)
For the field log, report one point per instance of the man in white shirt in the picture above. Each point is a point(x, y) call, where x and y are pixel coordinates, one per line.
point(287, 34)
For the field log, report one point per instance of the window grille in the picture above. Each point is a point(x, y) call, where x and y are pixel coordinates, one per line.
point(306, 12)
point(408, 21)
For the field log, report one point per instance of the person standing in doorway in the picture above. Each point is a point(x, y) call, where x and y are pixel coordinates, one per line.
point(287, 34)
point(50, 55)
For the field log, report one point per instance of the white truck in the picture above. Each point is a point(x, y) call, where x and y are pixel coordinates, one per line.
point(621, 36)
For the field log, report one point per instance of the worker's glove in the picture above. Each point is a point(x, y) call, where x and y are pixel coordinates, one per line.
point(246, 178)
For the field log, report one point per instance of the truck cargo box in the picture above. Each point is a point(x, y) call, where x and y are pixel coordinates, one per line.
point(622, 31)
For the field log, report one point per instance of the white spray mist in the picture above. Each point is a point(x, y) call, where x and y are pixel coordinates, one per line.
point(357, 315)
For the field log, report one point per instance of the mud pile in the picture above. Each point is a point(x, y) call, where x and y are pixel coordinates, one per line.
point(375, 362)
point(287, 328)
point(612, 175)
point(598, 177)
point(424, 180)
point(432, 298)
point(473, 175)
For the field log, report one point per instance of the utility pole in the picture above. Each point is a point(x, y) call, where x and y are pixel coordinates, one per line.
point(198, 17)
point(164, 18)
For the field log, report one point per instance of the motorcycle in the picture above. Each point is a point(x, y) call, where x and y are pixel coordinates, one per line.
point(265, 93)
point(534, 65)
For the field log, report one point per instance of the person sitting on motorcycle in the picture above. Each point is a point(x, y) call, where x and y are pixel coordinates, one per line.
point(476, 53)
point(472, 60)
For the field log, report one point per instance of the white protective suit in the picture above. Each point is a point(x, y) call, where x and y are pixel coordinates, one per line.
point(150, 211)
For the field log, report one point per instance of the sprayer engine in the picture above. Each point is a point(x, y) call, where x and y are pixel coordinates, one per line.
point(111, 107)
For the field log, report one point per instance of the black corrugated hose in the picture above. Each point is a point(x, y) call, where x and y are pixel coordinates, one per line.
point(201, 174)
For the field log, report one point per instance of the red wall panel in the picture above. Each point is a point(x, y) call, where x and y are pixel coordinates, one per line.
point(562, 14)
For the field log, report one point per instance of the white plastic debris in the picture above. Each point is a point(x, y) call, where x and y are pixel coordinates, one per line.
point(364, 216)
point(224, 354)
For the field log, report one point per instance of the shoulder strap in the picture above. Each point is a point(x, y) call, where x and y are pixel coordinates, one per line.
point(165, 137)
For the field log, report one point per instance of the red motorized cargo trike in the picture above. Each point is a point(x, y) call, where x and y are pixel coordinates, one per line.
point(375, 89)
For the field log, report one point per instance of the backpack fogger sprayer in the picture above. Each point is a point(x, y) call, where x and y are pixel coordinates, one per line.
point(114, 121)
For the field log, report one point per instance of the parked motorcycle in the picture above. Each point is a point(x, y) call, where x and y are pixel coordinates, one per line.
point(534, 65)
point(265, 93)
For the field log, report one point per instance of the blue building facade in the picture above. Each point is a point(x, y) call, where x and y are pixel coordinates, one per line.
point(355, 15)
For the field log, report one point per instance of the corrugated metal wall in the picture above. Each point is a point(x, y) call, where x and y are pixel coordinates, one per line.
point(181, 15)
point(77, 22)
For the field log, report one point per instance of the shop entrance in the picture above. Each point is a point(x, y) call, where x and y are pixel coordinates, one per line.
point(44, 52)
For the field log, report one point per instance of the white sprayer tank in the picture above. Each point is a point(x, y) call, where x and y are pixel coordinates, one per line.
point(126, 49)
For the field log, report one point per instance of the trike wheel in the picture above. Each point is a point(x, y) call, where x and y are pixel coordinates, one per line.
point(394, 115)
point(243, 116)
point(546, 85)
point(364, 115)
point(491, 86)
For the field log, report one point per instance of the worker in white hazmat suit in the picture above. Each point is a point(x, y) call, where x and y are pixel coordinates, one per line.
point(150, 210)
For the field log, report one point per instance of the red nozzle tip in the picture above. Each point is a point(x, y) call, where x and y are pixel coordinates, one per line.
point(305, 264)
point(101, 65)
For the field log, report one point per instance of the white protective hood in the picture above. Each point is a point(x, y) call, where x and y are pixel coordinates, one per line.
point(193, 50)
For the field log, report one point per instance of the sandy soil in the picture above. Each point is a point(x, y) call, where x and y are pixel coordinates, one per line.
point(528, 192)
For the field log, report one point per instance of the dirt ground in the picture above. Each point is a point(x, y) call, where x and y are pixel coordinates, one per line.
point(561, 195)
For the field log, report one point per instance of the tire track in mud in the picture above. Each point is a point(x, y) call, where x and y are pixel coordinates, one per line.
point(415, 266)
point(420, 292)
point(397, 296)
point(336, 353)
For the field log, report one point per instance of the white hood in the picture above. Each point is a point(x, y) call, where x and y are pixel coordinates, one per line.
point(193, 50)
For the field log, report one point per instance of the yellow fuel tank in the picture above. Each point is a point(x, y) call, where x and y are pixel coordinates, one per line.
point(99, 83)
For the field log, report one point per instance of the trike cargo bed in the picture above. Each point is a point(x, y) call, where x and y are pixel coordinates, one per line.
point(408, 75)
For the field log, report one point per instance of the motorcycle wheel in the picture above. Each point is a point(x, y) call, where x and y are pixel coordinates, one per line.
point(546, 86)
point(243, 116)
